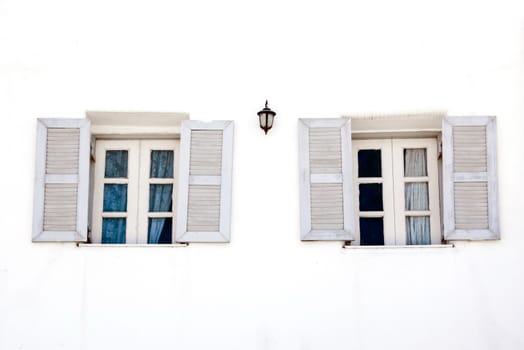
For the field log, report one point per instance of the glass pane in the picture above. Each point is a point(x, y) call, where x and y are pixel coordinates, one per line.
point(161, 164)
point(160, 231)
point(418, 230)
point(415, 162)
point(160, 198)
point(370, 197)
point(371, 231)
point(416, 196)
point(369, 163)
point(115, 197)
point(116, 164)
point(114, 230)
point(269, 120)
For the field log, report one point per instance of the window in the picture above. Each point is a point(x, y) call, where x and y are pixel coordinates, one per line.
point(379, 180)
point(396, 182)
point(155, 178)
point(134, 191)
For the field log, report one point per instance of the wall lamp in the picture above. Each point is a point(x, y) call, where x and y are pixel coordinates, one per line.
point(266, 117)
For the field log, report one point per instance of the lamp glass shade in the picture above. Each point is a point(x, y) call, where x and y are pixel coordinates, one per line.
point(263, 120)
point(269, 120)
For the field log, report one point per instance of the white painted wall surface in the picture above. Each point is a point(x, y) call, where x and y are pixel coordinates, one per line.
point(266, 289)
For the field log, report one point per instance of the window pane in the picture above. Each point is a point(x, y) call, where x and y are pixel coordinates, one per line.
point(369, 163)
point(416, 196)
point(160, 198)
point(370, 197)
point(415, 162)
point(161, 164)
point(115, 197)
point(418, 230)
point(114, 230)
point(160, 231)
point(371, 231)
point(116, 164)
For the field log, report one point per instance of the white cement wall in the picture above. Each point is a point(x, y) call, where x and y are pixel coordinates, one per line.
point(266, 289)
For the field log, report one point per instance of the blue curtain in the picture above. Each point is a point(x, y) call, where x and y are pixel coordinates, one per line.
point(160, 231)
point(161, 164)
point(160, 197)
point(116, 164)
point(160, 200)
point(114, 231)
point(115, 197)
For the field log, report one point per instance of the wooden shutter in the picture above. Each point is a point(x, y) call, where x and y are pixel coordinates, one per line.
point(61, 181)
point(204, 191)
point(325, 179)
point(470, 178)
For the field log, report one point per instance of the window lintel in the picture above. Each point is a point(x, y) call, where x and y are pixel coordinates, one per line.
point(396, 125)
point(135, 124)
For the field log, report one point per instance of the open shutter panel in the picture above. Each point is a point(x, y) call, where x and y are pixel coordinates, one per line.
point(326, 179)
point(470, 178)
point(204, 192)
point(61, 181)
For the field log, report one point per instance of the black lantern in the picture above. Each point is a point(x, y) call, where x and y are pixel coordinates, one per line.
point(266, 117)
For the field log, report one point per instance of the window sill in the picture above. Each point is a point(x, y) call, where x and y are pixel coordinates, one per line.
point(429, 246)
point(99, 245)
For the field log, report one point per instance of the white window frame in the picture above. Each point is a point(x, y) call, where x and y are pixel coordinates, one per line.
point(138, 181)
point(388, 212)
point(146, 146)
point(393, 180)
point(430, 144)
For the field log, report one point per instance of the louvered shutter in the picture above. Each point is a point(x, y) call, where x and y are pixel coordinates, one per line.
point(470, 178)
point(204, 191)
point(61, 181)
point(326, 180)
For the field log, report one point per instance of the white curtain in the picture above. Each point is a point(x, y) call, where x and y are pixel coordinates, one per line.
point(416, 197)
point(417, 230)
point(415, 162)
